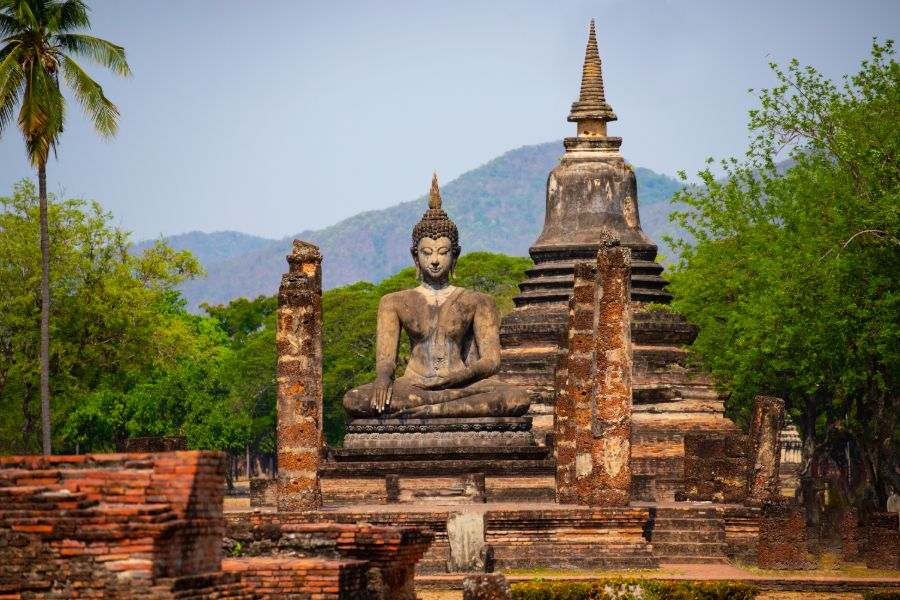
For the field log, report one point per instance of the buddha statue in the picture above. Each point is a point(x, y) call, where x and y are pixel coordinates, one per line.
point(454, 338)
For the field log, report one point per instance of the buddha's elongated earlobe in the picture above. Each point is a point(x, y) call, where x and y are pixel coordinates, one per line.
point(418, 272)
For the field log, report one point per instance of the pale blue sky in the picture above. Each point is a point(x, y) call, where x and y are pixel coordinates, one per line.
point(275, 117)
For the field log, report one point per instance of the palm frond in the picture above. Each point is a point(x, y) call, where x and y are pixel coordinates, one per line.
point(12, 80)
point(100, 51)
point(68, 15)
point(9, 25)
point(90, 95)
point(24, 13)
point(42, 112)
point(12, 45)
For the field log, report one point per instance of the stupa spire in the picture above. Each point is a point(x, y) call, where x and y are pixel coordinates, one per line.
point(592, 104)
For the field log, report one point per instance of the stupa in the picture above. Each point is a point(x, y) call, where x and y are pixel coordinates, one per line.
point(592, 196)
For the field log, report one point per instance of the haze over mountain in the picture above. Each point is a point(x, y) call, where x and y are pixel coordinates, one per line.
point(499, 207)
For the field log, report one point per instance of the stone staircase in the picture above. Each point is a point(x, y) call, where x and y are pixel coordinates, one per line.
point(687, 535)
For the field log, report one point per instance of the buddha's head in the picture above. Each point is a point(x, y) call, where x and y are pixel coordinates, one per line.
point(435, 240)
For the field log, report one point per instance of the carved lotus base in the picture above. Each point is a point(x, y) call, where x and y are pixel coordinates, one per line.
point(487, 432)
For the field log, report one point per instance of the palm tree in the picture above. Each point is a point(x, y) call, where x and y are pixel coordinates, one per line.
point(39, 40)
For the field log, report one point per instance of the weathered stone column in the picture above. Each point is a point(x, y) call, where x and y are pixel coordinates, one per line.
point(564, 427)
point(611, 423)
point(765, 448)
point(580, 377)
point(299, 371)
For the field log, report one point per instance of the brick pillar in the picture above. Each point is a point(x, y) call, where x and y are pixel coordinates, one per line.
point(782, 536)
point(299, 342)
point(611, 423)
point(851, 548)
point(883, 544)
point(564, 427)
point(580, 377)
point(765, 448)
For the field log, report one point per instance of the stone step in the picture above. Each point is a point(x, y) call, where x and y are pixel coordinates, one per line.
point(669, 549)
point(708, 522)
point(541, 296)
point(563, 267)
point(677, 536)
point(644, 282)
point(556, 295)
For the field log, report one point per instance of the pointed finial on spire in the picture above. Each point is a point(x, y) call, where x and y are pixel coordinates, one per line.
point(434, 197)
point(592, 104)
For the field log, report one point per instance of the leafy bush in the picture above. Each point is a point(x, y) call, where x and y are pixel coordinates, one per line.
point(633, 589)
point(881, 595)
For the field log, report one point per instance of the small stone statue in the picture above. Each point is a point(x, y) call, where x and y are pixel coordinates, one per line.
point(454, 335)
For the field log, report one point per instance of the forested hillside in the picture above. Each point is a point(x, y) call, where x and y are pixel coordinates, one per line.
point(499, 207)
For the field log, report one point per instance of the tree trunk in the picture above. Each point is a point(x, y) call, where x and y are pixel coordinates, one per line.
point(229, 471)
point(247, 457)
point(28, 419)
point(45, 308)
point(809, 493)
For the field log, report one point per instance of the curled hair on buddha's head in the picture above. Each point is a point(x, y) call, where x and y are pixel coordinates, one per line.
point(435, 223)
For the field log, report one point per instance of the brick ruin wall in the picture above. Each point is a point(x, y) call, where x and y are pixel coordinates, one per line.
point(119, 523)
point(782, 536)
point(582, 538)
point(715, 467)
point(883, 543)
point(391, 551)
point(152, 526)
point(731, 467)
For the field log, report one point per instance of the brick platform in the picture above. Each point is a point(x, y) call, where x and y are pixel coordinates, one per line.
point(303, 578)
point(114, 525)
point(538, 535)
point(391, 551)
point(152, 526)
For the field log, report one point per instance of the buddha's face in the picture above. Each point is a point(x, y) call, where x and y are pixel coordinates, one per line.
point(435, 258)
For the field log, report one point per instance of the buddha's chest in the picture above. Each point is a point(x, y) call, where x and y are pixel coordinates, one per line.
point(430, 322)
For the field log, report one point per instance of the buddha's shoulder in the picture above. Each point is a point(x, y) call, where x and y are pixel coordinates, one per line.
point(477, 298)
point(405, 297)
point(399, 297)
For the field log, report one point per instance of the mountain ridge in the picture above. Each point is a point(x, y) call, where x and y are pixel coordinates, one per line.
point(498, 207)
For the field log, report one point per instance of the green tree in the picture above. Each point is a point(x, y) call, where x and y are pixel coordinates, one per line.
point(248, 373)
point(40, 41)
point(112, 320)
point(792, 272)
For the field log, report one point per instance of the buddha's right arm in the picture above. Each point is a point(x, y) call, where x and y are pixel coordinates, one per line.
point(387, 338)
